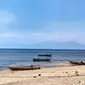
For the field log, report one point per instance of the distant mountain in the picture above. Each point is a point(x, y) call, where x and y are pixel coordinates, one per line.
point(58, 45)
point(44, 45)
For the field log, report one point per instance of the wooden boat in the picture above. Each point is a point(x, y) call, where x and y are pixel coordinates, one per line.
point(23, 68)
point(77, 62)
point(42, 59)
point(49, 55)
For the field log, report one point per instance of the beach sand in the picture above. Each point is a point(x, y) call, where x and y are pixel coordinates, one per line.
point(63, 75)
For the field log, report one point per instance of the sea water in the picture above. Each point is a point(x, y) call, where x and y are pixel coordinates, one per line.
point(24, 57)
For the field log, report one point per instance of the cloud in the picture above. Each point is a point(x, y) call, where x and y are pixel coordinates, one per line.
point(9, 35)
point(7, 17)
point(53, 31)
point(30, 38)
point(7, 20)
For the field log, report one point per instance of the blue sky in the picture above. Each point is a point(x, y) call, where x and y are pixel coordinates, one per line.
point(26, 23)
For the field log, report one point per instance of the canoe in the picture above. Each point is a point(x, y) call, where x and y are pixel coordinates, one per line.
point(23, 68)
point(41, 59)
point(77, 62)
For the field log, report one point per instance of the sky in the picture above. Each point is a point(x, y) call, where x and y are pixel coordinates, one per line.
point(27, 23)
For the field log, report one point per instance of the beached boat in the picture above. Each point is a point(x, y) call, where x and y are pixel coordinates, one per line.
point(77, 62)
point(23, 68)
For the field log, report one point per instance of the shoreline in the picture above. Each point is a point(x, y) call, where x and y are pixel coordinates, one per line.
point(45, 76)
point(42, 65)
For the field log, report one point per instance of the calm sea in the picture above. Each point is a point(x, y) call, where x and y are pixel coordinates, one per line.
point(23, 57)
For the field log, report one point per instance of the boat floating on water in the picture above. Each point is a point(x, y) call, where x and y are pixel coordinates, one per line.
point(43, 57)
point(32, 67)
point(48, 55)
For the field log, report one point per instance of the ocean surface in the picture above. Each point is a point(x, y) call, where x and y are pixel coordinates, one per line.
point(23, 57)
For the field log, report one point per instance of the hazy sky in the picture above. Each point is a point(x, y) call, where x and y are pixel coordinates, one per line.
point(24, 23)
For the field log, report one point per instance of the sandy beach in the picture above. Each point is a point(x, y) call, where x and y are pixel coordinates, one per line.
point(64, 75)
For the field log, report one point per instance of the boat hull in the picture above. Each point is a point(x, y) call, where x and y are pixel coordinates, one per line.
point(77, 63)
point(24, 68)
point(48, 55)
point(38, 59)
